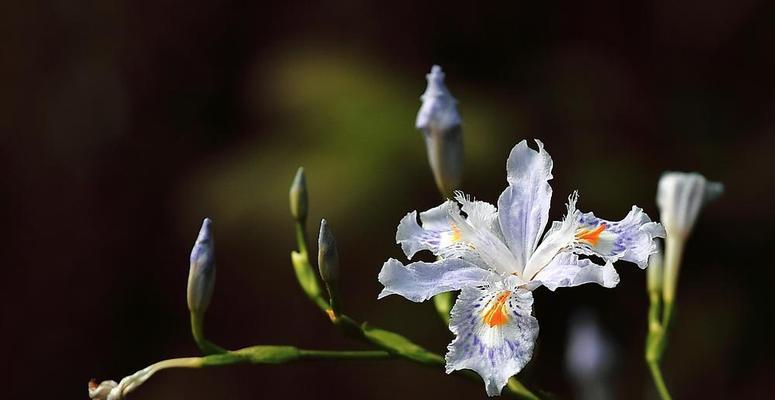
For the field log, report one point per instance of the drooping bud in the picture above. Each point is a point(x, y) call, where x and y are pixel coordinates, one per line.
point(328, 263)
point(440, 123)
point(680, 196)
point(201, 273)
point(298, 197)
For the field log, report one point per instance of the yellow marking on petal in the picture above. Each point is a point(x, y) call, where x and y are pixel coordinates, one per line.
point(591, 236)
point(496, 314)
point(456, 235)
point(331, 315)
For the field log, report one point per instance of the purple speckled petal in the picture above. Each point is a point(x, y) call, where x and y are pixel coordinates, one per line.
point(495, 333)
point(631, 239)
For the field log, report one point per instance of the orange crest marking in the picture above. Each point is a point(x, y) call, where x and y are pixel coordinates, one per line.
point(496, 314)
point(456, 236)
point(591, 236)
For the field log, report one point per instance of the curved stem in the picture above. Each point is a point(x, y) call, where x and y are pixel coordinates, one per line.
point(248, 355)
point(659, 382)
point(197, 330)
point(301, 238)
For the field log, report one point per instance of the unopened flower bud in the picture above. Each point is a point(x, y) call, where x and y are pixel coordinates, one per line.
point(298, 197)
point(680, 196)
point(328, 257)
point(328, 263)
point(201, 273)
point(439, 121)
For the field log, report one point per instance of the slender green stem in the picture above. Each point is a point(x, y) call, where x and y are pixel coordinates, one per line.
point(345, 355)
point(667, 316)
point(655, 305)
point(301, 238)
point(659, 382)
point(248, 355)
point(655, 341)
point(674, 248)
point(197, 330)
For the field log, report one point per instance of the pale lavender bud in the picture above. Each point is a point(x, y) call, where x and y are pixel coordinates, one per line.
point(328, 263)
point(328, 256)
point(201, 273)
point(440, 122)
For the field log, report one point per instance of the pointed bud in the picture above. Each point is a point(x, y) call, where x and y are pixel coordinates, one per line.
point(328, 257)
point(298, 197)
point(328, 263)
point(680, 196)
point(201, 273)
point(439, 121)
point(654, 271)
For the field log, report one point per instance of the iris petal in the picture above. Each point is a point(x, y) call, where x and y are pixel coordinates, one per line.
point(420, 281)
point(495, 333)
point(523, 208)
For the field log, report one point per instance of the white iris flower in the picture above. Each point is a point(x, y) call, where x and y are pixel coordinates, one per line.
point(496, 258)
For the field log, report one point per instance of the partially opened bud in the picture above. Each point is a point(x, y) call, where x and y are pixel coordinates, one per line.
point(298, 197)
point(328, 263)
point(439, 121)
point(680, 196)
point(201, 273)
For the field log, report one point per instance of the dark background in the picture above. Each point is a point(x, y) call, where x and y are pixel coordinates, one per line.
point(123, 124)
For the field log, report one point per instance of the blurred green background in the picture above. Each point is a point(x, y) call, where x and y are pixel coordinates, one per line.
point(123, 124)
